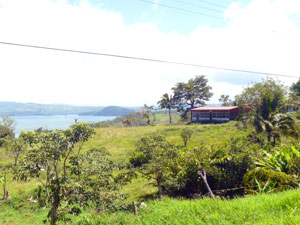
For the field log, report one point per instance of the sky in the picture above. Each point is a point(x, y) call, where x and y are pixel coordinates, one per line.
point(258, 35)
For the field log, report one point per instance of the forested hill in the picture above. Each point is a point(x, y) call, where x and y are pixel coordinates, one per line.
point(109, 111)
point(30, 109)
point(33, 109)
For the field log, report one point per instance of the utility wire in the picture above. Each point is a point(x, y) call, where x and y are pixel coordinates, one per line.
point(199, 6)
point(209, 3)
point(148, 59)
point(181, 9)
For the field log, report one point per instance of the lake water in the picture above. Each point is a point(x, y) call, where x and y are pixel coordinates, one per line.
point(52, 122)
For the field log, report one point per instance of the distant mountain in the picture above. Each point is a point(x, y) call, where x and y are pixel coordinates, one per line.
point(32, 109)
point(108, 111)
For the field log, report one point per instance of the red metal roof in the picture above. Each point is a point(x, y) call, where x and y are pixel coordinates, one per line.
point(214, 108)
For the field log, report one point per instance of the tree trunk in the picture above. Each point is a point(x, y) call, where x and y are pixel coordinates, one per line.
point(64, 165)
point(55, 204)
point(170, 116)
point(159, 184)
point(203, 176)
point(16, 160)
point(135, 210)
point(47, 183)
point(78, 155)
point(4, 191)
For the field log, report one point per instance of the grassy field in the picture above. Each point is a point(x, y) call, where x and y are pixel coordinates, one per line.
point(121, 142)
point(280, 208)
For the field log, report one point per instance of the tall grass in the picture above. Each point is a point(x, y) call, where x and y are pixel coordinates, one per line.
point(280, 208)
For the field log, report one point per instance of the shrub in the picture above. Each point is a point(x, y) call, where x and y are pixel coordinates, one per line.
point(284, 159)
point(138, 159)
point(186, 135)
point(282, 180)
point(225, 165)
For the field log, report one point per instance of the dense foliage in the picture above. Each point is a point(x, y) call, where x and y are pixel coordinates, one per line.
point(69, 180)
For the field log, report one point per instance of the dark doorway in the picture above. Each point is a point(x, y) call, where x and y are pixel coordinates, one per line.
point(210, 116)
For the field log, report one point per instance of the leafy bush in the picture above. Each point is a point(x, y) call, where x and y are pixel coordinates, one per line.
point(138, 159)
point(281, 180)
point(284, 158)
point(186, 135)
point(5, 134)
point(155, 158)
point(225, 165)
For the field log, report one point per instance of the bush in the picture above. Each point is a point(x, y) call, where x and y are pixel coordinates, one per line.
point(281, 180)
point(138, 159)
point(186, 135)
point(5, 134)
point(225, 165)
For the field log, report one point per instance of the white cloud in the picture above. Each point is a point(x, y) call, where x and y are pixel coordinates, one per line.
point(261, 37)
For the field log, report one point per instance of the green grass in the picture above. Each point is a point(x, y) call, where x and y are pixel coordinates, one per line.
point(280, 208)
point(20, 211)
point(120, 142)
point(163, 117)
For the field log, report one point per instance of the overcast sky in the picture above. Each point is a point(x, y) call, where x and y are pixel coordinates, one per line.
point(259, 35)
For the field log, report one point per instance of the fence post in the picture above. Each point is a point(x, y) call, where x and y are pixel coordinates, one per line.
point(135, 210)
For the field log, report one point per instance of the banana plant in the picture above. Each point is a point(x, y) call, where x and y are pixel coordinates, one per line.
point(282, 159)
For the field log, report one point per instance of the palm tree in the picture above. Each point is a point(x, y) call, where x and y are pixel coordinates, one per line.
point(167, 102)
point(276, 126)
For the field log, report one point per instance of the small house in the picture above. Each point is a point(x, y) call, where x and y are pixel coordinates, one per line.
point(214, 114)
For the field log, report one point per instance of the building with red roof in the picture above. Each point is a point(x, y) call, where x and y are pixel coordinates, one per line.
point(214, 114)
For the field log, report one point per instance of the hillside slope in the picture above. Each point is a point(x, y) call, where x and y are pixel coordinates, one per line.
point(108, 111)
point(30, 109)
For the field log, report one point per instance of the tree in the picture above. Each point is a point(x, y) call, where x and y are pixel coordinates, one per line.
point(155, 156)
point(192, 94)
point(66, 194)
point(5, 134)
point(8, 122)
point(146, 111)
point(47, 154)
point(78, 134)
point(295, 88)
point(29, 137)
point(186, 135)
point(276, 125)
point(3, 181)
point(224, 99)
point(269, 92)
point(167, 102)
point(99, 183)
point(16, 147)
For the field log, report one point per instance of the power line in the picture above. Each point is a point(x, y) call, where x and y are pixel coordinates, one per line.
point(148, 59)
point(181, 9)
point(209, 3)
point(199, 6)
